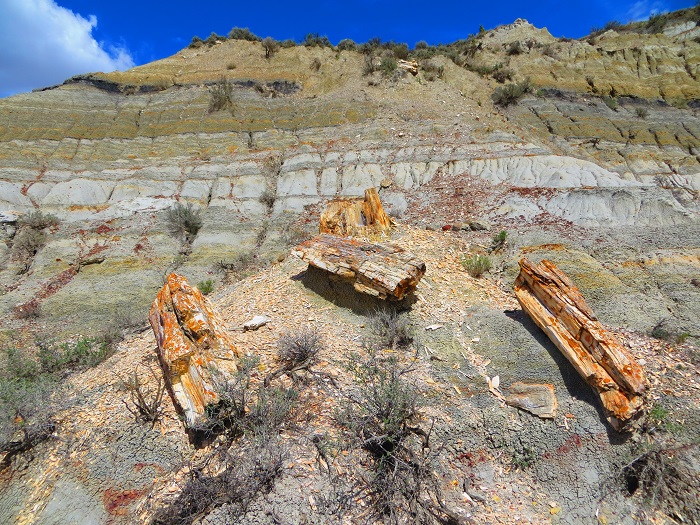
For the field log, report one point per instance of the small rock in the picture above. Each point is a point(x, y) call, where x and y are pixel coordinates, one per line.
point(386, 182)
point(256, 322)
point(478, 225)
point(434, 327)
point(538, 399)
point(460, 226)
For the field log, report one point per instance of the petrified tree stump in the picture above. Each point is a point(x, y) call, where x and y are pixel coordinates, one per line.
point(382, 270)
point(353, 216)
point(554, 303)
point(193, 346)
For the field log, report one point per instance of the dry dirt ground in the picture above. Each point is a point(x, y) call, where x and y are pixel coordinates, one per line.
point(495, 464)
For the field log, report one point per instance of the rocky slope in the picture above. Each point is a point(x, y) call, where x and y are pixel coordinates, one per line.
point(605, 187)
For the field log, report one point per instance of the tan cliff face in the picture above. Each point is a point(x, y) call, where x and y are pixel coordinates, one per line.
point(108, 153)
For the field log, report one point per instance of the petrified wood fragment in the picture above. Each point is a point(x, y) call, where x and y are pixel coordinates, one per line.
point(538, 399)
point(382, 270)
point(558, 308)
point(193, 346)
point(353, 216)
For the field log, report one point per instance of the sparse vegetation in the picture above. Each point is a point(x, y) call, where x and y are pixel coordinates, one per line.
point(206, 287)
point(511, 93)
point(315, 64)
point(62, 358)
point(213, 39)
point(498, 241)
point(476, 265)
point(297, 352)
point(389, 329)
point(388, 65)
point(347, 45)
point(431, 71)
point(642, 113)
point(184, 221)
point(145, 402)
point(221, 95)
point(30, 237)
point(382, 417)
point(270, 45)
point(316, 40)
point(514, 48)
point(610, 101)
point(243, 33)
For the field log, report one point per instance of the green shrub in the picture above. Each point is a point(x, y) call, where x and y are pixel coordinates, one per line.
point(511, 93)
point(231, 65)
point(243, 33)
point(213, 38)
point(611, 102)
point(206, 287)
point(642, 113)
point(316, 40)
point(347, 45)
point(84, 353)
point(498, 241)
point(221, 95)
point(184, 221)
point(196, 42)
point(288, 43)
point(476, 265)
point(502, 74)
point(656, 23)
point(388, 65)
point(514, 48)
point(26, 243)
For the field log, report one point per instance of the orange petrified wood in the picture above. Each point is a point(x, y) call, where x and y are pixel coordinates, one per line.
point(192, 345)
point(353, 216)
point(382, 270)
point(556, 305)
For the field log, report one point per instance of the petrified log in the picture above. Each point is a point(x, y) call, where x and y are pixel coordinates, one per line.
point(193, 346)
point(554, 303)
point(353, 216)
point(381, 270)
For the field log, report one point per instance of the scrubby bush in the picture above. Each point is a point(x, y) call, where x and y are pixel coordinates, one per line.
point(611, 102)
point(183, 221)
point(221, 95)
point(498, 241)
point(431, 71)
point(213, 38)
point(145, 402)
point(64, 357)
point(316, 40)
point(243, 33)
point(511, 93)
point(315, 64)
point(642, 113)
point(476, 265)
point(270, 45)
point(297, 352)
point(382, 416)
point(388, 65)
point(389, 329)
point(196, 42)
point(514, 48)
point(347, 45)
point(37, 220)
point(287, 43)
point(502, 74)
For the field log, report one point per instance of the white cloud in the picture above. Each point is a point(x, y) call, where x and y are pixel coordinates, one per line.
point(42, 43)
point(643, 9)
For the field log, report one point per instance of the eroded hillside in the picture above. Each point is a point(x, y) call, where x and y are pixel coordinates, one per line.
point(595, 168)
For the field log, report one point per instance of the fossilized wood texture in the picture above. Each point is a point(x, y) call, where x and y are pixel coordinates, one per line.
point(353, 216)
point(193, 346)
point(382, 270)
point(538, 399)
point(558, 308)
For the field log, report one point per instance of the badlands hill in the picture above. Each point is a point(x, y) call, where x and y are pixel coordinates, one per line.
point(596, 167)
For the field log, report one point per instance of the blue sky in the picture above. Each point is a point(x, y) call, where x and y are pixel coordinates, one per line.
point(43, 42)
